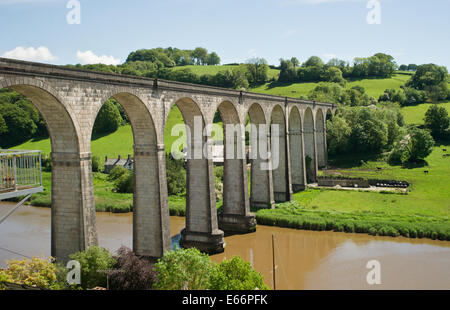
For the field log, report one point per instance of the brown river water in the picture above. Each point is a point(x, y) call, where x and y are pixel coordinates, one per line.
point(304, 259)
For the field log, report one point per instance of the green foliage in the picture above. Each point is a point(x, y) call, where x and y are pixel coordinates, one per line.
point(257, 71)
point(95, 163)
point(236, 274)
point(183, 269)
point(176, 175)
point(421, 144)
point(427, 76)
point(338, 135)
point(36, 272)
point(3, 126)
point(108, 119)
point(437, 121)
point(19, 123)
point(125, 183)
point(95, 263)
point(117, 172)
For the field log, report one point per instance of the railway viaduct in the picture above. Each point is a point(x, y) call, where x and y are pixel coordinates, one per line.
point(69, 101)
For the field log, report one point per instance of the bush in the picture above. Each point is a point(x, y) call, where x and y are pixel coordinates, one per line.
point(125, 183)
point(95, 262)
point(117, 172)
point(108, 119)
point(134, 273)
point(95, 164)
point(183, 269)
point(437, 120)
point(36, 272)
point(176, 175)
point(236, 274)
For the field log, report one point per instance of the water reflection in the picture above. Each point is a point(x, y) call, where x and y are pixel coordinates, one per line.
point(304, 259)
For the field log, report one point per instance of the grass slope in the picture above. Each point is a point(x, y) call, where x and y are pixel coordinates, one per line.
point(415, 114)
point(374, 87)
point(426, 208)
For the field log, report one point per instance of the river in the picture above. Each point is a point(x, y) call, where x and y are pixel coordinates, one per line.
point(304, 259)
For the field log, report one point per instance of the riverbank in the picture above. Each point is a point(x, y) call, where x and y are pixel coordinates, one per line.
point(421, 213)
point(304, 259)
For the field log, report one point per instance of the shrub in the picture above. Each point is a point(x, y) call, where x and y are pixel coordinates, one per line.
point(236, 274)
point(176, 175)
point(125, 183)
point(108, 119)
point(95, 164)
point(183, 269)
point(134, 273)
point(116, 173)
point(437, 120)
point(33, 272)
point(95, 262)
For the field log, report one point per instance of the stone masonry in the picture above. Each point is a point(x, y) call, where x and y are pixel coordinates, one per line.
point(69, 101)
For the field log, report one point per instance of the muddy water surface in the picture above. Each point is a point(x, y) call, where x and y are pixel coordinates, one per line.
point(304, 259)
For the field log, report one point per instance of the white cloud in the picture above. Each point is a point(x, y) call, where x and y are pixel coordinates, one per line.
point(41, 53)
point(88, 57)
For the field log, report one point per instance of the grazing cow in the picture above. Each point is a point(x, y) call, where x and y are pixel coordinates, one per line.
point(426, 171)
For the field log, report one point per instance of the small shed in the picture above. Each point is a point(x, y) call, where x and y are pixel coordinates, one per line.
point(110, 163)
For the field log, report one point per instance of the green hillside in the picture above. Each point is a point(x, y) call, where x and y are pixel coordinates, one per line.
point(415, 114)
point(374, 87)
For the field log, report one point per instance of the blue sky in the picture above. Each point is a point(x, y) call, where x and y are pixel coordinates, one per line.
point(412, 31)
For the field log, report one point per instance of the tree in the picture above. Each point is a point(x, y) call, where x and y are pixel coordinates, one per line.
point(427, 75)
point(313, 61)
point(183, 269)
point(334, 75)
point(421, 144)
point(93, 263)
point(257, 70)
point(412, 67)
point(20, 127)
point(3, 127)
point(288, 72)
point(108, 119)
point(437, 121)
point(236, 274)
point(200, 55)
point(403, 68)
point(213, 59)
point(295, 62)
point(338, 135)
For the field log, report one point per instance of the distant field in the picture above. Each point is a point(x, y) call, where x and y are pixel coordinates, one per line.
point(374, 87)
point(415, 114)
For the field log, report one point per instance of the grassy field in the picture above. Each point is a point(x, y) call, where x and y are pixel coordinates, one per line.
point(374, 87)
point(415, 114)
point(426, 208)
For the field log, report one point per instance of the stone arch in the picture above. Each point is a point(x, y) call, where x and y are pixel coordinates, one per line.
point(60, 121)
point(320, 139)
point(201, 229)
point(151, 222)
point(72, 211)
point(296, 149)
point(310, 145)
point(261, 186)
point(280, 175)
point(235, 215)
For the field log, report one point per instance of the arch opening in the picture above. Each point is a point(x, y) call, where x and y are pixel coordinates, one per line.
point(310, 148)
point(296, 150)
